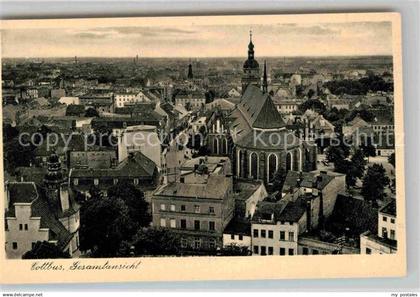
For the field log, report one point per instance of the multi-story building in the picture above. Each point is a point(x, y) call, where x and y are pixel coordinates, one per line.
point(122, 99)
point(198, 207)
point(385, 241)
point(45, 213)
point(136, 169)
point(276, 226)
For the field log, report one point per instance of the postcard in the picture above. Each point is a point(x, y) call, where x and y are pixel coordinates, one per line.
point(202, 148)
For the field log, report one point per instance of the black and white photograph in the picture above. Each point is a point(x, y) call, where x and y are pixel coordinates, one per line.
point(232, 138)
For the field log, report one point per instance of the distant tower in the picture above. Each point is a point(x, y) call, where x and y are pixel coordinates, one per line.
point(265, 82)
point(251, 68)
point(75, 60)
point(190, 72)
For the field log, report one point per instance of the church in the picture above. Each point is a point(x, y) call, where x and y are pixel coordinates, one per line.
point(259, 142)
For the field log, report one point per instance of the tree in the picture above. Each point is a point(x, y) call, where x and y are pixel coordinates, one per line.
point(391, 159)
point(374, 183)
point(353, 168)
point(105, 224)
point(45, 250)
point(314, 104)
point(138, 208)
point(91, 112)
point(156, 242)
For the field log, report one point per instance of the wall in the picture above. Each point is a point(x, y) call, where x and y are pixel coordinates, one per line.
point(275, 242)
point(24, 238)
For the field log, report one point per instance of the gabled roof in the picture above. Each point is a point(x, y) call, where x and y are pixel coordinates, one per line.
point(390, 208)
point(259, 110)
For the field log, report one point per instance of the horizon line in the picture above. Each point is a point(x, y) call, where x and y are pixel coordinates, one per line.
point(197, 57)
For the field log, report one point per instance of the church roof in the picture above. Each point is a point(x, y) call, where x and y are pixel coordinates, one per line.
point(259, 110)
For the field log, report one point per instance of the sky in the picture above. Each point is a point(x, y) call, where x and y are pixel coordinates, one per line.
point(303, 39)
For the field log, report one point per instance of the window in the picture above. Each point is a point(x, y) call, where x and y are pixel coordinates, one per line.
point(197, 225)
point(291, 252)
point(291, 236)
point(282, 251)
point(270, 250)
point(162, 207)
point(384, 218)
point(256, 249)
point(305, 251)
point(184, 243)
point(270, 233)
point(183, 208)
point(211, 226)
point(212, 243)
point(14, 245)
point(232, 236)
point(368, 251)
point(136, 181)
point(20, 227)
point(26, 227)
point(211, 209)
point(392, 221)
point(241, 237)
point(384, 232)
point(282, 235)
point(197, 208)
point(392, 234)
point(263, 233)
point(263, 251)
point(75, 181)
point(182, 180)
point(197, 243)
point(255, 232)
point(115, 181)
point(315, 252)
point(173, 223)
point(96, 181)
point(162, 222)
point(172, 207)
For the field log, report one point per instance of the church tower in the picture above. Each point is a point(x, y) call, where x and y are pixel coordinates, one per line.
point(190, 72)
point(251, 68)
point(55, 184)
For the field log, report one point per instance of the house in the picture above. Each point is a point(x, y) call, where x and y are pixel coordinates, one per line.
point(248, 193)
point(191, 101)
point(385, 241)
point(198, 207)
point(69, 100)
point(275, 227)
point(139, 138)
point(238, 233)
point(45, 213)
point(324, 184)
point(130, 98)
point(136, 169)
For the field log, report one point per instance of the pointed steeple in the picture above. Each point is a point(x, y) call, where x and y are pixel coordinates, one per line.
point(265, 82)
point(190, 73)
point(250, 47)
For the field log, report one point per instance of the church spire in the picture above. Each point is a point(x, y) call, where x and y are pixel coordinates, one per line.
point(265, 82)
point(250, 47)
point(190, 73)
